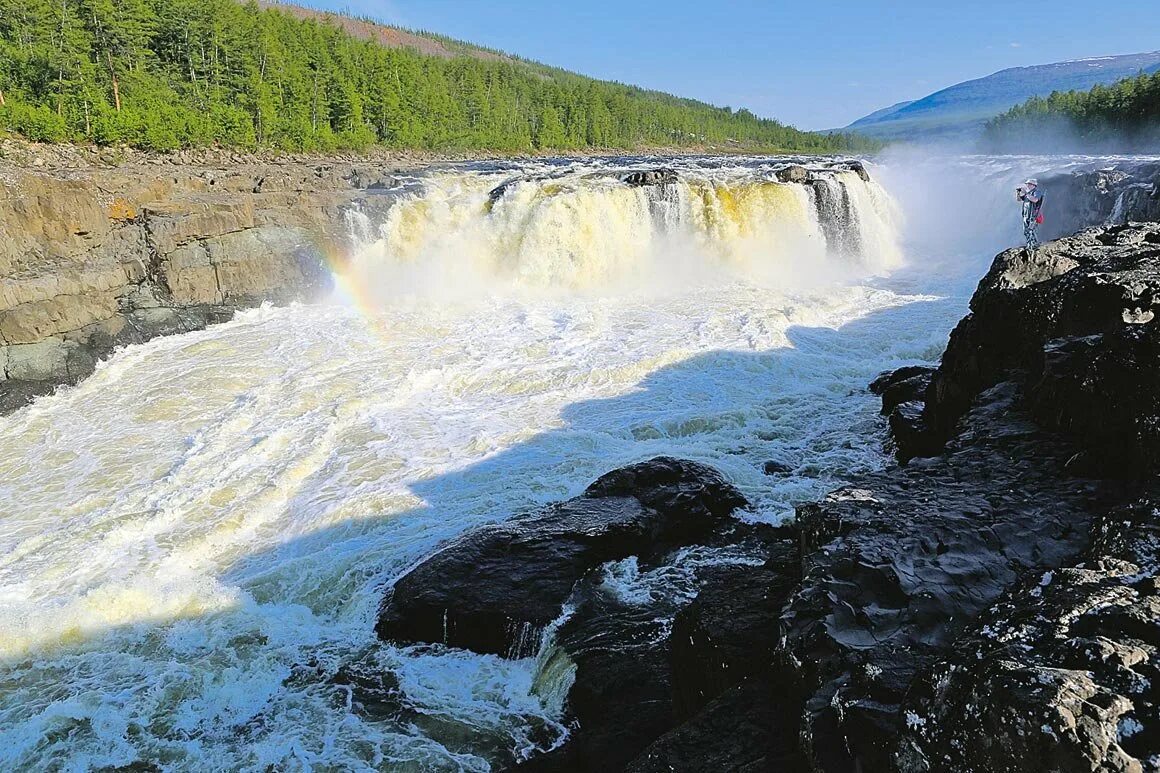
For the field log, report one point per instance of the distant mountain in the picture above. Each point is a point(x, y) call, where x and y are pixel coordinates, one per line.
point(959, 112)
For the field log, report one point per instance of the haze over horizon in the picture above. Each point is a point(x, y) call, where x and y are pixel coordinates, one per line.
point(810, 67)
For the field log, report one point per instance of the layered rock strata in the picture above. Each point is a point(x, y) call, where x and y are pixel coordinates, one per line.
point(94, 258)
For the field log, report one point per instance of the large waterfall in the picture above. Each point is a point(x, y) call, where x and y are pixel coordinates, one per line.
point(196, 539)
point(584, 230)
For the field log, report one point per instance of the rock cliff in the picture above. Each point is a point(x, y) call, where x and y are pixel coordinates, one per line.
point(95, 256)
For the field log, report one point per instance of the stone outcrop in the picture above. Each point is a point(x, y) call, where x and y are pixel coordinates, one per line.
point(495, 589)
point(1061, 674)
point(651, 177)
point(1073, 323)
point(98, 257)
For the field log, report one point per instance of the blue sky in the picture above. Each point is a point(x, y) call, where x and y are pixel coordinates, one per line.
point(815, 63)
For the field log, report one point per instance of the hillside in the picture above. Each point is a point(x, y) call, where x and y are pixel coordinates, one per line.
point(1124, 117)
point(386, 35)
point(166, 74)
point(960, 111)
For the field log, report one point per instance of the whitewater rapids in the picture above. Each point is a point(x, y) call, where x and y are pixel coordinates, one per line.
point(196, 539)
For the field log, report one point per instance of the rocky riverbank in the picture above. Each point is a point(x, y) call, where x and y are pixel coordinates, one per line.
point(102, 255)
point(991, 605)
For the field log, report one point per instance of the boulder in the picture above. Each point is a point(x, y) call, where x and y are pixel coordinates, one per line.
point(901, 386)
point(858, 168)
point(793, 174)
point(774, 467)
point(494, 589)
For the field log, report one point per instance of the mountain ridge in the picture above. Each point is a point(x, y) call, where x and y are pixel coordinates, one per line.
point(959, 111)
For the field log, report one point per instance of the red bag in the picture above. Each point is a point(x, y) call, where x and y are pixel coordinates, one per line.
point(1039, 218)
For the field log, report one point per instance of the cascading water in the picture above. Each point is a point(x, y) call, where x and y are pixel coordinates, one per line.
point(197, 538)
point(585, 231)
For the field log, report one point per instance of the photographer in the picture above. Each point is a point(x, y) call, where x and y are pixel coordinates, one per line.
point(1032, 198)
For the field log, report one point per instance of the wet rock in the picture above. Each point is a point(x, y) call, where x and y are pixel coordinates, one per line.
point(774, 467)
point(896, 565)
point(498, 192)
point(901, 386)
point(730, 632)
point(494, 589)
point(793, 174)
point(1061, 674)
point(1071, 322)
point(650, 177)
point(622, 694)
point(645, 663)
point(734, 732)
point(858, 168)
point(911, 436)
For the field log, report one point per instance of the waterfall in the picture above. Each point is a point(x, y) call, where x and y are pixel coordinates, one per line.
point(586, 230)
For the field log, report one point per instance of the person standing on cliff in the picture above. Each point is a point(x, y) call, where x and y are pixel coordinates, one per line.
point(1032, 199)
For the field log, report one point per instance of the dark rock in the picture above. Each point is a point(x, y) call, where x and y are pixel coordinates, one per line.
point(492, 590)
point(1074, 322)
point(911, 435)
point(639, 672)
point(793, 174)
point(776, 468)
point(735, 732)
point(730, 632)
point(896, 565)
point(1060, 675)
point(497, 193)
point(622, 695)
point(17, 393)
point(651, 177)
point(858, 168)
point(901, 386)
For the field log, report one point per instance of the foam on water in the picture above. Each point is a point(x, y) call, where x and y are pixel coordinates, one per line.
point(197, 538)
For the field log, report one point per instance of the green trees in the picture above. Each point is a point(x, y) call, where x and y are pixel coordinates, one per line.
point(1123, 117)
point(163, 74)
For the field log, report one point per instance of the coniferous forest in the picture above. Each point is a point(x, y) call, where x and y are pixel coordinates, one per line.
point(166, 74)
point(1123, 117)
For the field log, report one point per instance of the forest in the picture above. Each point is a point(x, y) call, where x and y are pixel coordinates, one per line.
point(167, 74)
point(1123, 117)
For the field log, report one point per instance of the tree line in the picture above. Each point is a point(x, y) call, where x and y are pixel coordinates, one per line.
point(1123, 117)
point(166, 74)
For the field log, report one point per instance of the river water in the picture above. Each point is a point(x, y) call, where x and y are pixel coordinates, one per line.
point(195, 540)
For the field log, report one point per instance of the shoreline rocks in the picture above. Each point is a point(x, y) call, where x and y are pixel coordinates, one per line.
point(495, 589)
point(1006, 580)
point(1072, 323)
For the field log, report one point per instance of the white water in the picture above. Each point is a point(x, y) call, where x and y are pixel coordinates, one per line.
point(195, 540)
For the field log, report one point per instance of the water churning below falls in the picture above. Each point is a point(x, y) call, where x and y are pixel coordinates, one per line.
point(196, 539)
